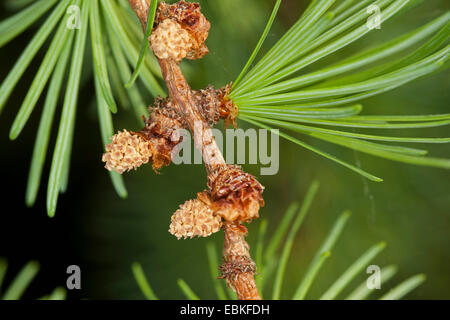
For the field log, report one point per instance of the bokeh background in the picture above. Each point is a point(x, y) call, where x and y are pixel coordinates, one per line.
point(103, 234)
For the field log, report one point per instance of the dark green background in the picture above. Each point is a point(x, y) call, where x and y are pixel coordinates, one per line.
point(93, 228)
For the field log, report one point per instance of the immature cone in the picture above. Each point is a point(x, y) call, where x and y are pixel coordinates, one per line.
point(234, 194)
point(194, 219)
point(126, 151)
point(214, 104)
point(161, 128)
point(170, 41)
point(181, 31)
point(164, 120)
point(208, 103)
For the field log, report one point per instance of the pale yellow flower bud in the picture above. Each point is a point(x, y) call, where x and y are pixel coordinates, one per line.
point(170, 41)
point(194, 219)
point(126, 151)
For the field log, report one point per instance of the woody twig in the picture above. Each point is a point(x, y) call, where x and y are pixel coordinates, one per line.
point(233, 197)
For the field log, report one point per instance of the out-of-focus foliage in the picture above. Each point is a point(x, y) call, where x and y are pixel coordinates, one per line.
point(272, 258)
point(104, 234)
point(21, 282)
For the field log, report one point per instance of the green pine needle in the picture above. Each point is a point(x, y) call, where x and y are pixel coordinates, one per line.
point(44, 130)
point(115, 21)
point(110, 58)
point(259, 252)
point(144, 47)
point(361, 59)
point(40, 81)
point(186, 289)
point(362, 146)
point(352, 271)
point(12, 27)
point(142, 281)
point(363, 291)
point(275, 93)
point(15, 5)
point(280, 232)
point(20, 283)
point(300, 114)
point(404, 288)
point(290, 239)
point(288, 47)
point(294, 218)
point(68, 114)
point(117, 86)
point(409, 73)
point(310, 129)
point(106, 129)
point(213, 267)
point(260, 43)
point(322, 254)
point(120, 60)
point(135, 31)
point(272, 95)
point(99, 55)
point(311, 148)
point(58, 293)
point(29, 53)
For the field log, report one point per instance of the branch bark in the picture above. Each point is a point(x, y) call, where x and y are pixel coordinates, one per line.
point(181, 94)
point(238, 268)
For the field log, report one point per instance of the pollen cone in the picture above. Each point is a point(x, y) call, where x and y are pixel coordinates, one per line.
point(194, 219)
point(126, 151)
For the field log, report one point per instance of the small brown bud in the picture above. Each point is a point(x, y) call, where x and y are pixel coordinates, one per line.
point(208, 104)
point(161, 129)
point(194, 219)
point(234, 194)
point(215, 104)
point(230, 270)
point(126, 151)
point(164, 119)
point(156, 141)
point(228, 110)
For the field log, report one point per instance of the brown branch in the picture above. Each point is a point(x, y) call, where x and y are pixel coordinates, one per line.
point(183, 97)
point(140, 7)
point(242, 194)
point(238, 267)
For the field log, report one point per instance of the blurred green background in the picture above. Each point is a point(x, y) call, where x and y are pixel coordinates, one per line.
point(103, 234)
